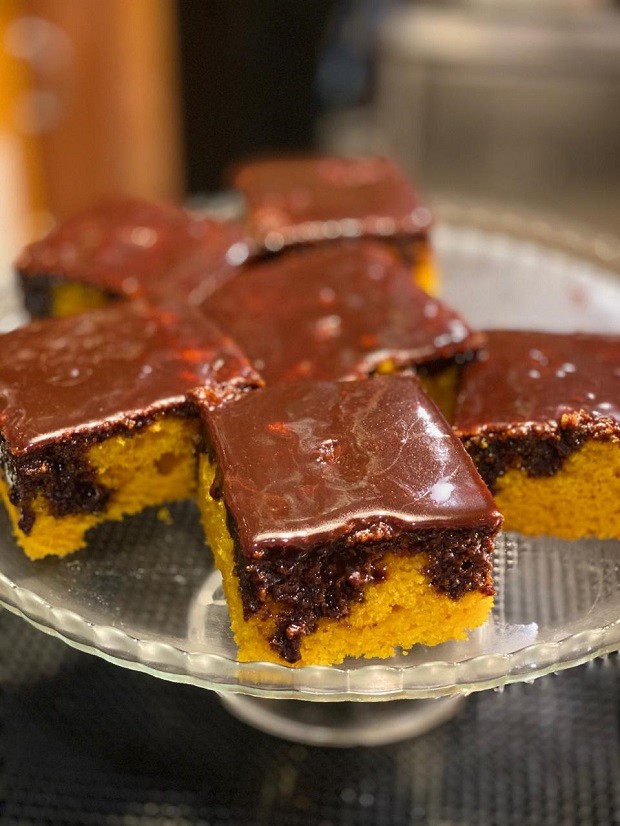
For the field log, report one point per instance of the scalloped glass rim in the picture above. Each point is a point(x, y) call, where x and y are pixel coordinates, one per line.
point(513, 661)
point(580, 581)
point(370, 683)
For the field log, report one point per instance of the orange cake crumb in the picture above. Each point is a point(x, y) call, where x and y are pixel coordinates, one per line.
point(580, 500)
point(156, 464)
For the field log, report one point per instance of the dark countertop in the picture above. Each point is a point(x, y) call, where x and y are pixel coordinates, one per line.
point(85, 742)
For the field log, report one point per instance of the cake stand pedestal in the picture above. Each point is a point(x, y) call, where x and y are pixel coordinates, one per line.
point(343, 725)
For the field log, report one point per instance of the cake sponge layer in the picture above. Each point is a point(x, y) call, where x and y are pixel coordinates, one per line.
point(425, 272)
point(399, 612)
point(70, 298)
point(582, 499)
point(440, 386)
point(147, 467)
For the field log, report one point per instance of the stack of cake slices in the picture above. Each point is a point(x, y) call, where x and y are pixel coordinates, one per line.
point(342, 429)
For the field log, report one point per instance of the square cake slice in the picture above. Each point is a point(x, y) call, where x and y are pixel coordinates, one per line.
point(346, 519)
point(540, 415)
point(95, 421)
point(343, 311)
point(126, 248)
point(302, 200)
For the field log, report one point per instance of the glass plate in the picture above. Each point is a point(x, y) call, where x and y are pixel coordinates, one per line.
point(145, 594)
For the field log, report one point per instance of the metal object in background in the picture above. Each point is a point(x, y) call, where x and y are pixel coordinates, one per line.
point(519, 102)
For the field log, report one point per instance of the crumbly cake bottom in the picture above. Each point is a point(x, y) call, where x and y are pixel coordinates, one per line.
point(581, 499)
point(399, 612)
point(154, 465)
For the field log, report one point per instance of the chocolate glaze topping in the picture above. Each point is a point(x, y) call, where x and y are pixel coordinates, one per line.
point(297, 200)
point(66, 383)
point(322, 479)
point(109, 368)
point(528, 376)
point(337, 312)
point(130, 248)
point(533, 398)
point(314, 462)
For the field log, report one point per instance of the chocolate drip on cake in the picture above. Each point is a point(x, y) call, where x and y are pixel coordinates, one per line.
point(62, 476)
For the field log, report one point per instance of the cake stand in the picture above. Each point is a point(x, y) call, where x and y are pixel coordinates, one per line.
point(145, 595)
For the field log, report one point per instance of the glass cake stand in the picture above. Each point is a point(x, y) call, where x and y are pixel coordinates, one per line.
point(145, 594)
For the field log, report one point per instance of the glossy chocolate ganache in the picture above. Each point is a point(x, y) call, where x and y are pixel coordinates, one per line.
point(533, 398)
point(132, 248)
point(341, 311)
point(322, 479)
point(66, 383)
point(301, 200)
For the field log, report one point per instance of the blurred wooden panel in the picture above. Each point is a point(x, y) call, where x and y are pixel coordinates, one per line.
point(22, 206)
point(108, 74)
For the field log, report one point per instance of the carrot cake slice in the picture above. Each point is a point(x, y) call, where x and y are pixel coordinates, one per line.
point(95, 421)
point(302, 200)
point(540, 415)
point(343, 311)
point(127, 248)
point(346, 519)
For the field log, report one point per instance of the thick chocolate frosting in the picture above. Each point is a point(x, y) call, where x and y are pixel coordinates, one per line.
point(110, 368)
point(525, 378)
point(337, 311)
point(129, 247)
point(314, 462)
point(297, 200)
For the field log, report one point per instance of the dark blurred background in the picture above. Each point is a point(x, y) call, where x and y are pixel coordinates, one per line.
point(514, 100)
point(249, 79)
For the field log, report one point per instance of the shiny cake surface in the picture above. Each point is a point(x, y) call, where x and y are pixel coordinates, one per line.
point(110, 367)
point(129, 247)
point(303, 199)
point(314, 462)
point(525, 377)
point(337, 311)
